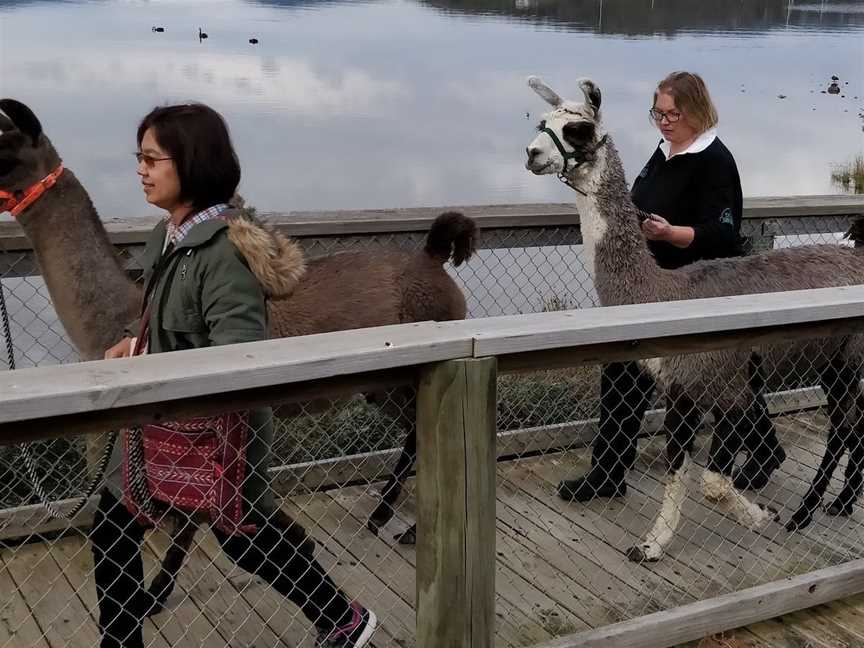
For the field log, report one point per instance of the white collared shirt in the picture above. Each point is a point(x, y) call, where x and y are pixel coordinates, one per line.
point(699, 144)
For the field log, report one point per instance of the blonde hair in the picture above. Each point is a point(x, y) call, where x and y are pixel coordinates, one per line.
point(691, 98)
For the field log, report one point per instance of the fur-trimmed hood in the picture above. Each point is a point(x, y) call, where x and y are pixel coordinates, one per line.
point(275, 259)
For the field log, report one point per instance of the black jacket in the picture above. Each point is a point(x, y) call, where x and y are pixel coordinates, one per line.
point(700, 190)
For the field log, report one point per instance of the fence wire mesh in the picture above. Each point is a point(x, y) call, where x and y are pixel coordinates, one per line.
point(561, 565)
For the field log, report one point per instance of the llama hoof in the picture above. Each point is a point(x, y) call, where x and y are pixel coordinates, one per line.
point(382, 514)
point(307, 548)
point(157, 603)
point(154, 610)
point(643, 553)
point(407, 537)
point(801, 519)
point(771, 513)
point(756, 472)
point(159, 591)
point(838, 508)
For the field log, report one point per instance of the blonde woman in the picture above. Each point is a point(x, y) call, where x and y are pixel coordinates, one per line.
point(692, 190)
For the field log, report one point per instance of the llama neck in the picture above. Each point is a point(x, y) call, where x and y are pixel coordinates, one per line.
point(624, 270)
point(90, 291)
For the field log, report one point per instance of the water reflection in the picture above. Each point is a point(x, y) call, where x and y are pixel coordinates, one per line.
point(422, 102)
point(666, 17)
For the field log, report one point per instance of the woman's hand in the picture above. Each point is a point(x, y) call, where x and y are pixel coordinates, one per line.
point(123, 349)
point(656, 228)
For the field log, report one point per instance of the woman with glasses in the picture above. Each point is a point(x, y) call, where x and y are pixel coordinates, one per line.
point(208, 272)
point(692, 191)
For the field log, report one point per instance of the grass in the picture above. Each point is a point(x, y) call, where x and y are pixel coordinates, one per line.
point(850, 176)
point(524, 400)
point(558, 303)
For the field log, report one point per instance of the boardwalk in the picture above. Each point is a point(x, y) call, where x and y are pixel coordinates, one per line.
point(560, 567)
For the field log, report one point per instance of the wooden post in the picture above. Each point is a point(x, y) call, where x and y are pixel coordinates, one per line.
point(456, 504)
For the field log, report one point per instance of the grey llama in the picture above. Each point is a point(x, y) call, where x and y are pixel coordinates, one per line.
point(95, 298)
point(727, 383)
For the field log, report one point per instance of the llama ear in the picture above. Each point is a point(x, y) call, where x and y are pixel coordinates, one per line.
point(548, 94)
point(6, 124)
point(591, 92)
point(22, 118)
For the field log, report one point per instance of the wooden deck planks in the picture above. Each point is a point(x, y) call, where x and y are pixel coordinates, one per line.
point(19, 628)
point(516, 624)
point(40, 579)
point(205, 608)
point(560, 567)
point(766, 554)
point(525, 613)
point(341, 551)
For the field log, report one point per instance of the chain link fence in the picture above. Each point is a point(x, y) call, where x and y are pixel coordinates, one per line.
point(561, 565)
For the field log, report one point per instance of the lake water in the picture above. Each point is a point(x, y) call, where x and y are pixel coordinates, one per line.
point(365, 104)
point(399, 103)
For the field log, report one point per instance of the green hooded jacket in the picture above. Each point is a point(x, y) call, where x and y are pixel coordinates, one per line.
point(213, 290)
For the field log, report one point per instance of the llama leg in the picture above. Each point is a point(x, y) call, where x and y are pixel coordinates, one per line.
point(836, 382)
point(682, 420)
point(401, 404)
point(833, 451)
point(666, 524)
point(764, 452)
point(717, 484)
point(163, 583)
point(854, 479)
point(393, 488)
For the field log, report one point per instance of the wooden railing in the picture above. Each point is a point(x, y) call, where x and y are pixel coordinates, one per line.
point(454, 366)
point(764, 219)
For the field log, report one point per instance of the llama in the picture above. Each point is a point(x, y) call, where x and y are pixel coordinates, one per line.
point(95, 298)
point(573, 144)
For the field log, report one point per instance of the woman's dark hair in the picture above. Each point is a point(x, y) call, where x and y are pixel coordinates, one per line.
point(197, 139)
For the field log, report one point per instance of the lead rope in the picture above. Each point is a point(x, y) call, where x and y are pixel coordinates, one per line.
point(24, 448)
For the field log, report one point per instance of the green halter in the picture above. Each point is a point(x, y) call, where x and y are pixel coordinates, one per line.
point(572, 155)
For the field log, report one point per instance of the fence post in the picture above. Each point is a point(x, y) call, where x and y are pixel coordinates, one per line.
point(456, 404)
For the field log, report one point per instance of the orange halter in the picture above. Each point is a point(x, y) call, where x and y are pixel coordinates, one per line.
point(14, 204)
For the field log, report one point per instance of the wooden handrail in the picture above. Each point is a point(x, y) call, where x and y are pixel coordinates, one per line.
point(56, 401)
point(133, 231)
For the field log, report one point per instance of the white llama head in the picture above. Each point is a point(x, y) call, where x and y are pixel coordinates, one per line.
point(574, 124)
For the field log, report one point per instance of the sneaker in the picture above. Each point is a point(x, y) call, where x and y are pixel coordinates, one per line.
point(355, 634)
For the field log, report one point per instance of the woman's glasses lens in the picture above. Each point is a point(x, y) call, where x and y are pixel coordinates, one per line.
point(658, 115)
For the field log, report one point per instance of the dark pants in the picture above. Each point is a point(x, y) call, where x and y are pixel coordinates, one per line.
point(625, 393)
point(116, 538)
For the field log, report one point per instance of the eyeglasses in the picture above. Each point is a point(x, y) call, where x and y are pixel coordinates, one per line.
point(149, 160)
point(658, 115)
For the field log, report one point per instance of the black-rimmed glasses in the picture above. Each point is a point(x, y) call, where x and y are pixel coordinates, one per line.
point(149, 160)
point(658, 115)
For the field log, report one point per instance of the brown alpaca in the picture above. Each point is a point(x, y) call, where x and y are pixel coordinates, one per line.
point(95, 299)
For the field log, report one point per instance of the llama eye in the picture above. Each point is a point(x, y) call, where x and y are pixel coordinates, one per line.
point(541, 125)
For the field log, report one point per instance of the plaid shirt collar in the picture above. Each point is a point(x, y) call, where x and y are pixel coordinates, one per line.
point(175, 234)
